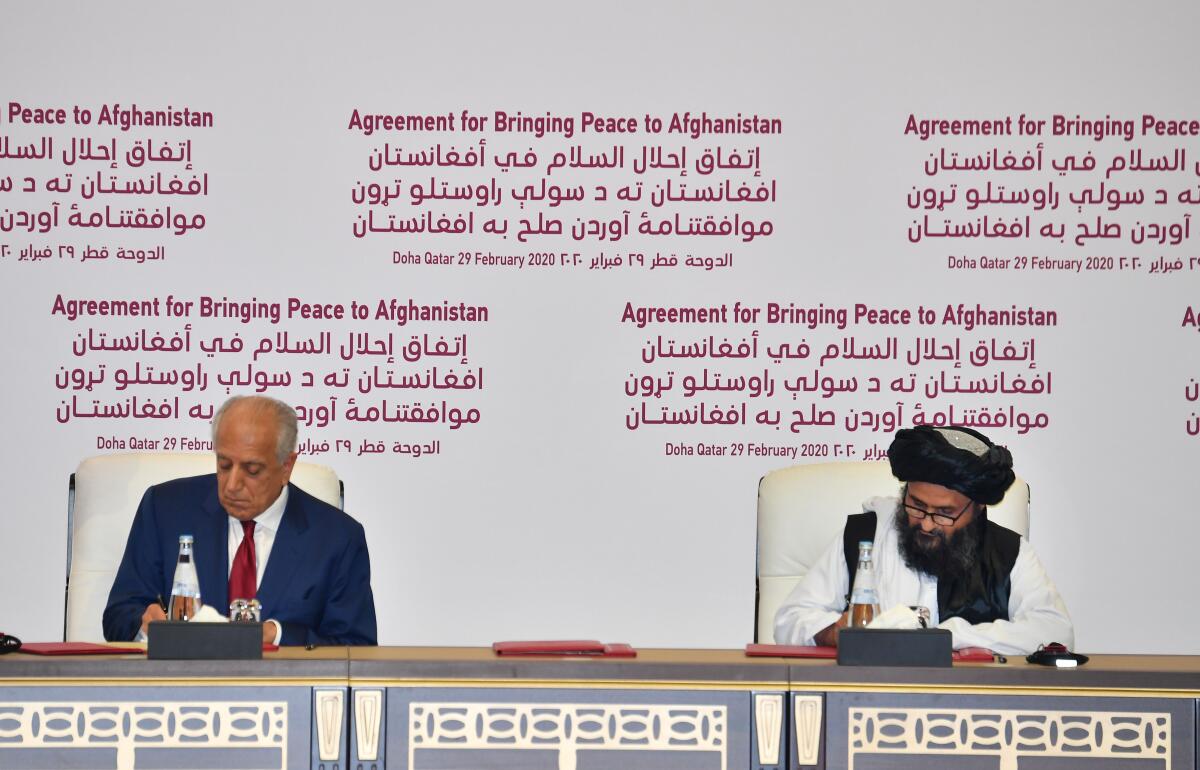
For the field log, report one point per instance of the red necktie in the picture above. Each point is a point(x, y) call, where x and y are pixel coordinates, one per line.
point(243, 578)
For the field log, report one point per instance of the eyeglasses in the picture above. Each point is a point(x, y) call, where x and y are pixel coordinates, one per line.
point(942, 517)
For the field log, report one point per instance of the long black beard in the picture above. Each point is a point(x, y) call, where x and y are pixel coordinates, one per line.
point(951, 557)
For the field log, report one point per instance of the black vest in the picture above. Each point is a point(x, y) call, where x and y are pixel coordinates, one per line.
point(981, 596)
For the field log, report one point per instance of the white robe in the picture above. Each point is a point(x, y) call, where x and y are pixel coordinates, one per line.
point(1038, 615)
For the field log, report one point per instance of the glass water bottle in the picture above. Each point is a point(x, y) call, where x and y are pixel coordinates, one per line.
point(185, 587)
point(864, 599)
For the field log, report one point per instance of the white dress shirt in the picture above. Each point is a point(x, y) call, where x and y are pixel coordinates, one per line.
point(1038, 614)
point(266, 525)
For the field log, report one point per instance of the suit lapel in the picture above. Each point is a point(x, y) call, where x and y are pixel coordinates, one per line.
point(212, 554)
point(285, 552)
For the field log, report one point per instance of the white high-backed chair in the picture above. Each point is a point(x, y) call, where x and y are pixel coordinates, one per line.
point(802, 509)
point(105, 493)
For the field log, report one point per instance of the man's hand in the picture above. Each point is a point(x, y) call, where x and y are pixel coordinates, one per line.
point(827, 637)
point(270, 629)
point(153, 612)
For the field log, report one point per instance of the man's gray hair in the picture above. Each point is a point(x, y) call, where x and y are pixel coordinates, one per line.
point(285, 421)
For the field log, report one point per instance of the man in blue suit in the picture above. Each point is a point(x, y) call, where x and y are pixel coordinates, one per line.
point(256, 536)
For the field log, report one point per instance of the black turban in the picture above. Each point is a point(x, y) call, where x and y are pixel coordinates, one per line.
point(956, 458)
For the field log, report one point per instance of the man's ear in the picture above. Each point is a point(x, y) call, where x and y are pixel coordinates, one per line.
point(288, 465)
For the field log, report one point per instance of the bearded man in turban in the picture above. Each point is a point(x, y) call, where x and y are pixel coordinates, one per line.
point(935, 547)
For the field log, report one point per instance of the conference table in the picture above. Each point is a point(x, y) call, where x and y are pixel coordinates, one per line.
point(444, 708)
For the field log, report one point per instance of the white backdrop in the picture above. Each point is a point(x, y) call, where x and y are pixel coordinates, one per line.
point(555, 495)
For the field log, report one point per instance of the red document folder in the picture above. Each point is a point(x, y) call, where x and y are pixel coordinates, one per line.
point(974, 655)
point(965, 655)
point(78, 648)
point(565, 647)
point(789, 651)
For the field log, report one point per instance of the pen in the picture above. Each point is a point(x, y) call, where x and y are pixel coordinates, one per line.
point(162, 604)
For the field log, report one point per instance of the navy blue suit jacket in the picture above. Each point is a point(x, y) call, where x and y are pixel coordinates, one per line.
point(317, 583)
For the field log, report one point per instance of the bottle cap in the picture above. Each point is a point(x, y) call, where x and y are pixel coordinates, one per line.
point(185, 539)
